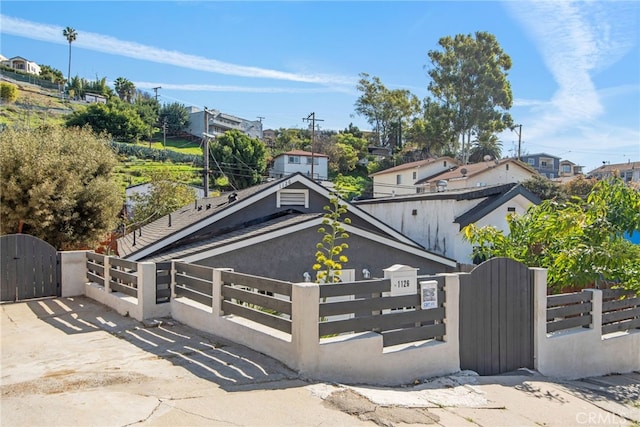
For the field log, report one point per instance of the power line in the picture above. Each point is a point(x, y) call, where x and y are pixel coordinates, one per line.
point(312, 117)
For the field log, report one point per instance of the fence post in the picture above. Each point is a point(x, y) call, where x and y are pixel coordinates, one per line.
point(539, 315)
point(107, 275)
point(305, 333)
point(146, 289)
point(596, 310)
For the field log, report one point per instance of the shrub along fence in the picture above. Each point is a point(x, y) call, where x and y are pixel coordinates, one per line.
point(364, 332)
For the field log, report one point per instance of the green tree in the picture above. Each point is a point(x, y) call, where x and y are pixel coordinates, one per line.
point(238, 157)
point(149, 111)
point(8, 92)
point(330, 255)
point(118, 119)
point(176, 116)
point(71, 35)
point(486, 144)
point(383, 107)
point(166, 194)
point(342, 158)
point(579, 242)
point(125, 89)
point(57, 185)
point(469, 77)
point(99, 86)
point(432, 131)
point(50, 73)
point(545, 188)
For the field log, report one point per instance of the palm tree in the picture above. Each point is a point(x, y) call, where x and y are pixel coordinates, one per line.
point(71, 36)
point(486, 144)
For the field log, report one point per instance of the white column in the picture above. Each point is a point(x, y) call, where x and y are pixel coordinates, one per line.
point(305, 314)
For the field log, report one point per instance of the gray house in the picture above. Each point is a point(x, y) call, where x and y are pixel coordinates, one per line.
point(546, 164)
point(271, 230)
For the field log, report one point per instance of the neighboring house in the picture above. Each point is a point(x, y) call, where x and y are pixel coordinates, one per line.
point(546, 164)
point(629, 172)
point(143, 189)
point(19, 63)
point(218, 123)
point(493, 172)
point(406, 178)
point(95, 98)
point(300, 161)
point(569, 169)
point(271, 230)
point(435, 220)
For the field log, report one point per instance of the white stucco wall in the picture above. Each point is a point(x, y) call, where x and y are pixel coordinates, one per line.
point(581, 352)
point(493, 176)
point(385, 184)
point(432, 226)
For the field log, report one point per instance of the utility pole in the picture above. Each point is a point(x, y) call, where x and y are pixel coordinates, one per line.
point(155, 89)
point(312, 117)
point(519, 132)
point(205, 140)
point(260, 118)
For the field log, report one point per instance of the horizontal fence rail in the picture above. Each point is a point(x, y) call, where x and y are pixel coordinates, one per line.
point(259, 299)
point(620, 311)
point(194, 282)
point(366, 306)
point(566, 311)
point(95, 268)
point(123, 276)
point(163, 282)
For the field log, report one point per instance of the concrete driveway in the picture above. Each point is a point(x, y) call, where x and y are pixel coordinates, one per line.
point(74, 362)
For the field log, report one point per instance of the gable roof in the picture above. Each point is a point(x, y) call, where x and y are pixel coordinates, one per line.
point(488, 205)
point(301, 153)
point(189, 219)
point(413, 165)
point(474, 169)
point(616, 167)
point(541, 155)
point(278, 227)
point(455, 194)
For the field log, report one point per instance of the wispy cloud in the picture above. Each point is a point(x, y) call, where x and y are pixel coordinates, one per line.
point(236, 89)
point(576, 40)
point(111, 45)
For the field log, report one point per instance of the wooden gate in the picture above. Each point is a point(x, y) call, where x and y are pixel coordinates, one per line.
point(29, 268)
point(496, 317)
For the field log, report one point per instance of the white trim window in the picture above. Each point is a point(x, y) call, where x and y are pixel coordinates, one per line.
point(292, 197)
point(294, 160)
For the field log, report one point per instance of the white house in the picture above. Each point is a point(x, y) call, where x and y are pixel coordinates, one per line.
point(19, 63)
point(314, 165)
point(493, 172)
point(406, 178)
point(629, 172)
point(434, 220)
point(215, 123)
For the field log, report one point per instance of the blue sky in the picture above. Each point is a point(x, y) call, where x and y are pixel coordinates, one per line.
point(575, 75)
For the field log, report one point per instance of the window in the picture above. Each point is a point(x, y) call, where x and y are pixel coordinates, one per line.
point(566, 168)
point(294, 159)
point(507, 165)
point(398, 179)
point(532, 162)
point(546, 163)
point(445, 164)
point(292, 198)
point(315, 160)
point(415, 174)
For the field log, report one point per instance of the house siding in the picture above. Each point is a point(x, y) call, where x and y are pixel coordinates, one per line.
point(300, 249)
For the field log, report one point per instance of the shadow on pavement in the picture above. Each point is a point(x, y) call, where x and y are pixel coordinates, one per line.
point(231, 366)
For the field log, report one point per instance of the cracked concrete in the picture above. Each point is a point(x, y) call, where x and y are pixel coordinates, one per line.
point(73, 362)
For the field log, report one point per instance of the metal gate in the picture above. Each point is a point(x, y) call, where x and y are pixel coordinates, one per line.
point(29, 268)
point(496, 317)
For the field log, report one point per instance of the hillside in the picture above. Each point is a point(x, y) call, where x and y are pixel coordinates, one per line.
point(36, 106)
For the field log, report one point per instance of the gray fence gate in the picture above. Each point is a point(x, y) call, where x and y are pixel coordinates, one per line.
point(29, 268)
point(496, 317)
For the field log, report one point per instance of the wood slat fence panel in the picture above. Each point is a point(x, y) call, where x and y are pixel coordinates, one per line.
point(620, 311)
point(250, 297)
point(571, 310)
point(260, 283)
